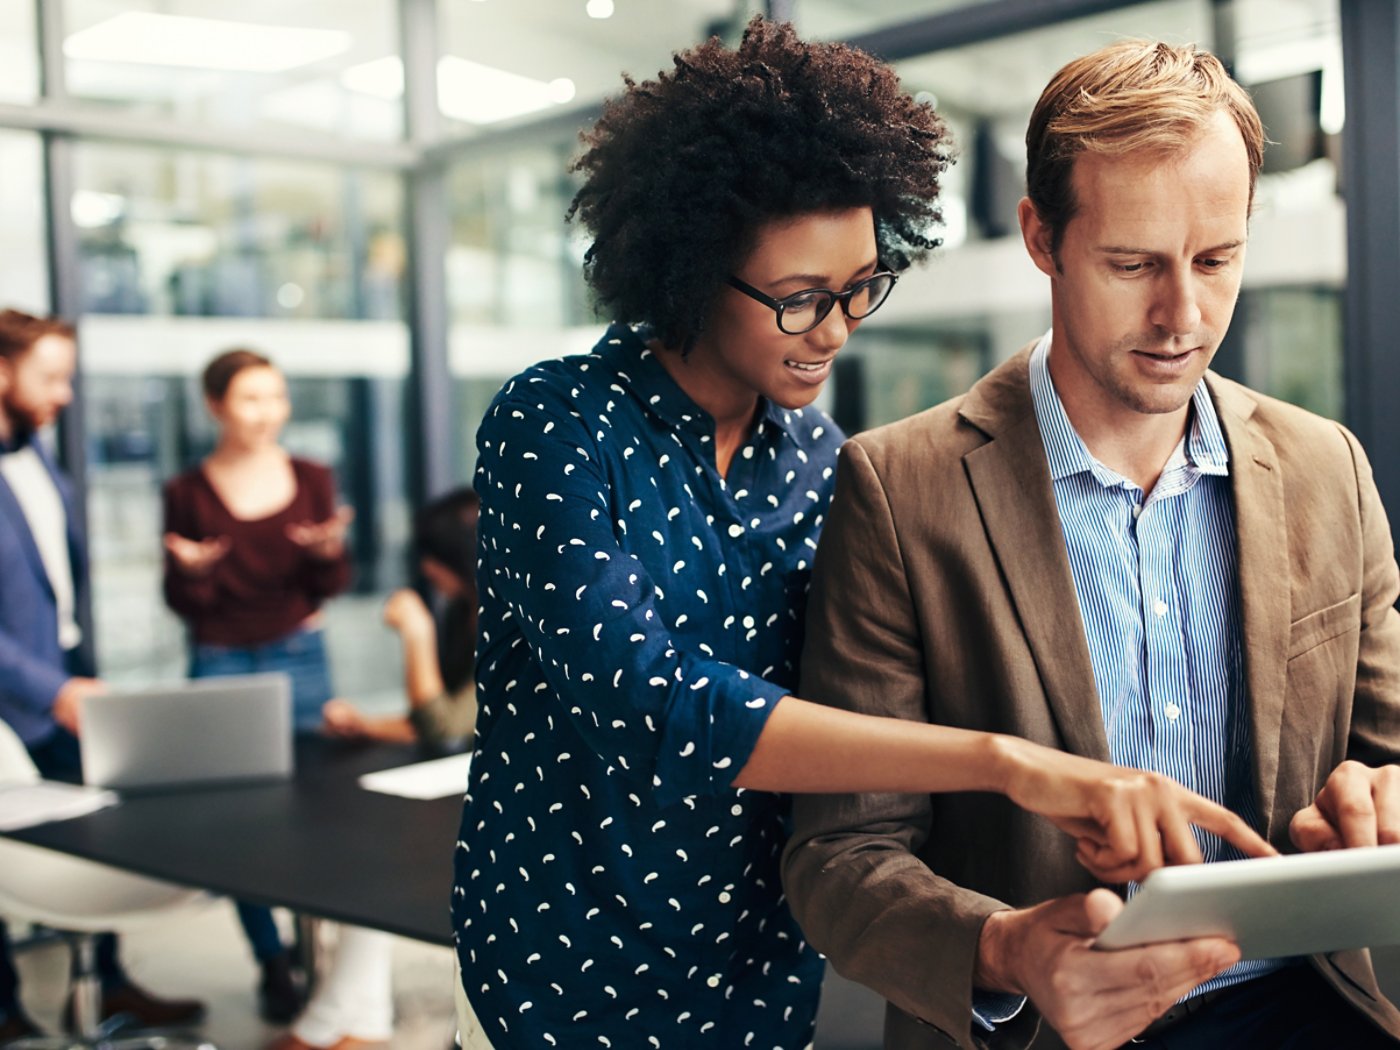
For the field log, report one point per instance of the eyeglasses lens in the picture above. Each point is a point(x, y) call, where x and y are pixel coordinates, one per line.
point(802, 312)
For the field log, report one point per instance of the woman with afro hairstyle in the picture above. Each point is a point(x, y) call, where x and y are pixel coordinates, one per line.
point(648, 517)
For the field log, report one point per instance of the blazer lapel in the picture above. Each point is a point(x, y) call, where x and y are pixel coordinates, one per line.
point(1011, 483)
point(1265, 610)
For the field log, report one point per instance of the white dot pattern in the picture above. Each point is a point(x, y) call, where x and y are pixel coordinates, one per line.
point(640, 617)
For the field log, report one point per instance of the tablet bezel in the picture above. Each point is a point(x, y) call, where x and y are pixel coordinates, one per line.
point(1270, 906)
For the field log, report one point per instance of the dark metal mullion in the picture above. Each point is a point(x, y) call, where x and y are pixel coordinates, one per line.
point(65, 286)
point(974, 24)
point(432, 450)
point(1371, 186)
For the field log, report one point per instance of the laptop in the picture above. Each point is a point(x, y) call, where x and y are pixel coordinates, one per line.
point(210, 730)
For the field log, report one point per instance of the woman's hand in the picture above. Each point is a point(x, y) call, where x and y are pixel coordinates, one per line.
point(406, 613)
point(324, 540)
point(341, 718)
point(1127, 822)
point(196, 557)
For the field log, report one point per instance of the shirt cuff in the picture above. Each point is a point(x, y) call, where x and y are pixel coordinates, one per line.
point(990, 1009)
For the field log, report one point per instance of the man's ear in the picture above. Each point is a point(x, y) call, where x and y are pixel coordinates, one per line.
point(1036, 235)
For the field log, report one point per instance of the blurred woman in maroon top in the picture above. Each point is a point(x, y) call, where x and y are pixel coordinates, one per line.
point(254, 544)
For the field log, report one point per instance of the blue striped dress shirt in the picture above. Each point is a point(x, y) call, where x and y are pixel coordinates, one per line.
point(1158, 593)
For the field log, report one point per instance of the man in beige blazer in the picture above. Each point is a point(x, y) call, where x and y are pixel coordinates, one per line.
point(951, 586)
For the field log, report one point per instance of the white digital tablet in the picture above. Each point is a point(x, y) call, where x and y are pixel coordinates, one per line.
point(1270, 906)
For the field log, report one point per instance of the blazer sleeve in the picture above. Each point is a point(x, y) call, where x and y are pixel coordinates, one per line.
point(1375, 721)
point(28, 685)
point(324, 578)
point(851, 871)
point(186, 595)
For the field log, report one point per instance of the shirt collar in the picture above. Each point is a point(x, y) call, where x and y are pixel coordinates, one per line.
point(1203, 448)
point(624, 348)
point(20, 438)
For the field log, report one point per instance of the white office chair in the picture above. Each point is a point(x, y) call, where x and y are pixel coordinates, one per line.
point(82, 899)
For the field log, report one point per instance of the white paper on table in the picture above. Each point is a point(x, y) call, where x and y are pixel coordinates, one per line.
point(436, 778)
point(27, 803)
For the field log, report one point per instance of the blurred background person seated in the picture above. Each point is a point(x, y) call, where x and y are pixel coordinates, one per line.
point(353, 1003)
point(438, 663)
point(254, 544)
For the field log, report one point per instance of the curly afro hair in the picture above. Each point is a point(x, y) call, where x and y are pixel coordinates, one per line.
point(680, 172)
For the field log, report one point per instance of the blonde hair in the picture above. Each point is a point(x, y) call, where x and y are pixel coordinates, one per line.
point(1132, 96)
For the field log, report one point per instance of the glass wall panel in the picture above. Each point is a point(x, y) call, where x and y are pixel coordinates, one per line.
point(185, 254)
point(324, 67)
point(842, 19)
point(980, 299)
point(147, 421)
point(505, 63)
point(19, 52)
point(197, 234)
point(23, 253)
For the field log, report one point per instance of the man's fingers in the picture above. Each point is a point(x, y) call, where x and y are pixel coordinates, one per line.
point(1347, 804)
point(1311, 832)
point(1098, 909)
point(1229, 826)
point(1163, 973)
point(1386, 792)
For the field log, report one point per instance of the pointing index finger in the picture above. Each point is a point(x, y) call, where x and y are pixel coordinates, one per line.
point(1220, 821)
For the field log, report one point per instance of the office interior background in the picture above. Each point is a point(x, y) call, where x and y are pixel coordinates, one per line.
point(373, 193)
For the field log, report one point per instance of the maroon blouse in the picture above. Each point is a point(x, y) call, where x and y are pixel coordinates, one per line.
point(266, 585)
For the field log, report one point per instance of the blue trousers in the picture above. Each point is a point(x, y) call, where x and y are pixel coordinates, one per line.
point(1294, 1009)
point(302, 656)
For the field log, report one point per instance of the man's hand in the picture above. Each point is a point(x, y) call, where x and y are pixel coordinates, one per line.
point(68, 703)
point(196, 557)
point(1358, 806)
point(324, 540)
point(1095, 1000)
point(1127, 822)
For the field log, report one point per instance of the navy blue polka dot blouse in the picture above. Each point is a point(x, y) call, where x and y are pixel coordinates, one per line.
point(641, 615)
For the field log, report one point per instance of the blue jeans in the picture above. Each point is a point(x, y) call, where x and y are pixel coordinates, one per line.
point(302, 656)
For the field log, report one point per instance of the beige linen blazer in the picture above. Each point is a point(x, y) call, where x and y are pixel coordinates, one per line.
point(942, 593)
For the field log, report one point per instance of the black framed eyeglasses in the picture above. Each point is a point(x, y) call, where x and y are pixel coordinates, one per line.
point(802, 311)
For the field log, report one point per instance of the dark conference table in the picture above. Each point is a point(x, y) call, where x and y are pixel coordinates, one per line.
point(318, 843)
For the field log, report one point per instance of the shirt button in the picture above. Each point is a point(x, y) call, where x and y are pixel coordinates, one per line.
point(1137, 510)
point(736, 530)
point(724, 898)
point(1159, 607)
point(1173, 711)
point(748, 621)
point(712, 980)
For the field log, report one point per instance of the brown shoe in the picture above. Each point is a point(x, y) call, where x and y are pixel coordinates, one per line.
point(16, 1024)
point(142, 1009)
point(287, 1041)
